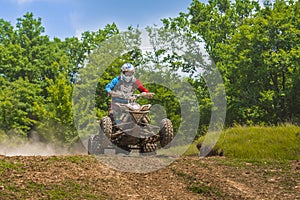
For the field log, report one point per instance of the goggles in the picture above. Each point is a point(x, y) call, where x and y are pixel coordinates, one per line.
point(128, 73)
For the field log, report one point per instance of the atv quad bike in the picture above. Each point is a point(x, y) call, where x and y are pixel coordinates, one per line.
point(130, 130)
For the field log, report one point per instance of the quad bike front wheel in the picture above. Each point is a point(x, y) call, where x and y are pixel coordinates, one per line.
point(166, 132)
point(148, 149)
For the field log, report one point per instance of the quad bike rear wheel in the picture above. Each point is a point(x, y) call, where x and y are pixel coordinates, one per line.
point(166, 132)
point(94, 145)
point(106, 131)
point(98, 143)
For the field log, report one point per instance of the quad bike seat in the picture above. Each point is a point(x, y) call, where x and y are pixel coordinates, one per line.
point(142, 108)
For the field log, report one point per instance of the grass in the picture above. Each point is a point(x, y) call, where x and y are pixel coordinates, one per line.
point(5, 165)
point(67, 189)
point(200, 188)
point(256, 143)
point(72, 159)
point(177, 150)
point(197, 186)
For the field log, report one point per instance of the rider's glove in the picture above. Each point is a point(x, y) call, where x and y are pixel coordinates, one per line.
point(111, 93)
point(147, 95)
point(150, 95)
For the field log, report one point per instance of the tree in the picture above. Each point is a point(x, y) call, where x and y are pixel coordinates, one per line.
point(17, 100)
point(38, 77)
point(218, 19)
point(256, 52)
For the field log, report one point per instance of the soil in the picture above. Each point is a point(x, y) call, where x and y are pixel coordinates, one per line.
point(88, 177)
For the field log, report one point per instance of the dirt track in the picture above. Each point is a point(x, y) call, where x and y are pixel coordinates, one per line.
point(84, 177)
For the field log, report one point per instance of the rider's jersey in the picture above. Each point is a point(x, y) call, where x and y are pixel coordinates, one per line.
point(125, 88)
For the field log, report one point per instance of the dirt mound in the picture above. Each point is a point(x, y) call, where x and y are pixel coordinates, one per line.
point(85, 177)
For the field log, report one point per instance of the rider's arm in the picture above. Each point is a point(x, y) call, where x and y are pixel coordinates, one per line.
point(110, 86)
point(140, 86)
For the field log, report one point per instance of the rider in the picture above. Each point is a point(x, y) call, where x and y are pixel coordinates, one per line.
point(124, 85)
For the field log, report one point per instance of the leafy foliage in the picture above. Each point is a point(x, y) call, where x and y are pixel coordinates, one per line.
point(37, 77)
point(255, 48)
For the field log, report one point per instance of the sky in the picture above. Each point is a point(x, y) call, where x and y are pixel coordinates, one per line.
point(68, 18)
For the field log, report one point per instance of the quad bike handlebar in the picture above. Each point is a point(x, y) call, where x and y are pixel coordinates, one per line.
point(133, 97)
point(144, 95)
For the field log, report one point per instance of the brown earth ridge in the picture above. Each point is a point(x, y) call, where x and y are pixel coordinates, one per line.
point(188, 177)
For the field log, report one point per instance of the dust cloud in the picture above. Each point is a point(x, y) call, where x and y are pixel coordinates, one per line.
point(32, 149)
point(35, 147)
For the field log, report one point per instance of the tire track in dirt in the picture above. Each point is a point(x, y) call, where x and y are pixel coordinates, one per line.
point(248, 192)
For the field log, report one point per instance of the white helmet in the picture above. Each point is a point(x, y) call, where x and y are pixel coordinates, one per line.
point(127, 72)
